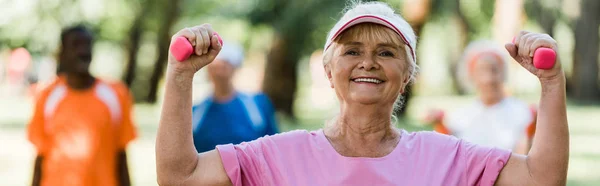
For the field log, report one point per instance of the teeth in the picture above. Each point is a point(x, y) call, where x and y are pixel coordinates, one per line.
point(369, 80)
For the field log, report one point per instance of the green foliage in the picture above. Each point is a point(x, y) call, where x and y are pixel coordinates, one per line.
point(545, 12)
point(39, 28)
point(442, 8)
point(305, 23)
point(479, 14)
point(535, 9)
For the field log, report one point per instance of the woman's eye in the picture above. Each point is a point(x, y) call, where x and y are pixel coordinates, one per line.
point(386, 54)
point(351, 52)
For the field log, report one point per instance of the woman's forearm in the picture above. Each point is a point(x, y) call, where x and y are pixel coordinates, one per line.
point(549, 155)
point(176, 156)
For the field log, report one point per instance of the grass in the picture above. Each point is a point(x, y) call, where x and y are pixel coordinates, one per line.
point(16, 154)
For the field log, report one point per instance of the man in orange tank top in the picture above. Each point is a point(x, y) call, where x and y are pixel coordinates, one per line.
point(81, 125)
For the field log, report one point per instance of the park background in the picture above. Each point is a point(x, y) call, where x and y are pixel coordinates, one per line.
point(282, 41)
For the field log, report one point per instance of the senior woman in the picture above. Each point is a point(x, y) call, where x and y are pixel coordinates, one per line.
point(369, 60)
point(493, 118)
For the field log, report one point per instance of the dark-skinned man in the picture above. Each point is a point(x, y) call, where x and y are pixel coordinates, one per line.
point(81, 125)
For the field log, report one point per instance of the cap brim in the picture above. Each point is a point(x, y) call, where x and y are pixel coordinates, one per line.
point(369, 19)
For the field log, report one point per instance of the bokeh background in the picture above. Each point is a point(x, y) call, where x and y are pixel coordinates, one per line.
point(283, 40)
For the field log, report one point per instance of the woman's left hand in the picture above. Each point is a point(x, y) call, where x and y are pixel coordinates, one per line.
point(523, 48)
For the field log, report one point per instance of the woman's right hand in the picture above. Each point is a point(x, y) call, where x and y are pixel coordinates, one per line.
point(206, 47)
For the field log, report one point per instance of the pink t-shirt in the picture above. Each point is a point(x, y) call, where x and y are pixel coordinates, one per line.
point(300, 158)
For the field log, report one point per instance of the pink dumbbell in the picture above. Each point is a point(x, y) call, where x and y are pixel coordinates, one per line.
point(182, 49)
point(543, 58)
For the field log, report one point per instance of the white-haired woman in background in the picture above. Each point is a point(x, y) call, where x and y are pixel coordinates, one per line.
point(369, 59)
point(494, 118)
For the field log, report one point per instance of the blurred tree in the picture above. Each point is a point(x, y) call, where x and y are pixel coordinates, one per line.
point(170, 14)
point(585, 82)
point(467, 33)
point(293, 22)
point(134, 41)
point(544, 12)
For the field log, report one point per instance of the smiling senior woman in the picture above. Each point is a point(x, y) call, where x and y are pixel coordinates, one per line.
point(369, 59)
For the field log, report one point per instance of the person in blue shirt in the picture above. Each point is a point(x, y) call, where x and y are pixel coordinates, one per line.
point(229, 116)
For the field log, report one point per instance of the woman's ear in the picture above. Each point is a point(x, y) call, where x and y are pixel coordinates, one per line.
point(405, 83)
point(328, 73)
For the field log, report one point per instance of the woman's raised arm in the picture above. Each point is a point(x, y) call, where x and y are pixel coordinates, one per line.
point(177, 162)
point(548, 159)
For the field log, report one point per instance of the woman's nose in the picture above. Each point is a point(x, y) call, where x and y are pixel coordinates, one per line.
point(369, 63)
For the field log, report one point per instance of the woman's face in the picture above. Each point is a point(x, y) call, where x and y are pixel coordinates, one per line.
point(368, 66)
point(488, 75)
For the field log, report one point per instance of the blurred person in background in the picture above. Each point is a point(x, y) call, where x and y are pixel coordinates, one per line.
point(230, 116)
point(81, 125)
point(18, 65)
point(494, 118)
